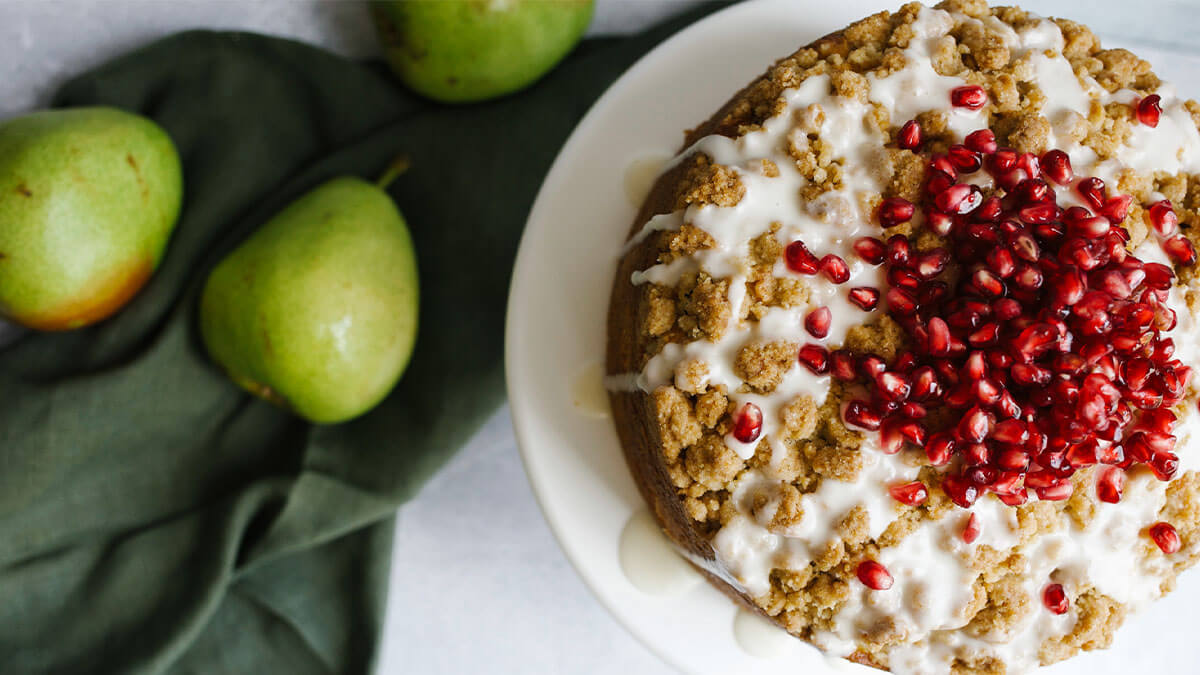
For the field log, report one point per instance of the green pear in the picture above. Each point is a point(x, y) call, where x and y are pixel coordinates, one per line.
point(88, 200)
point(472, 50)
point(317, 310)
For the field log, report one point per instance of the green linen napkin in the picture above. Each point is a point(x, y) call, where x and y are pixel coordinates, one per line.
point(154, 518)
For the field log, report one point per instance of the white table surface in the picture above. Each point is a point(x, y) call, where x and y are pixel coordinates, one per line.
point(479, 585)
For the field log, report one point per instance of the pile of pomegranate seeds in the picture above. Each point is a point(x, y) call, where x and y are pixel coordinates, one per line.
point(874, 576)
point(1035, 326)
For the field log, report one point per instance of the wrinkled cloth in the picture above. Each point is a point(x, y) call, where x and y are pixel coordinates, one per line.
point(155, 518)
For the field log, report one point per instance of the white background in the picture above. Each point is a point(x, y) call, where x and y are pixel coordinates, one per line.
point(478, 584)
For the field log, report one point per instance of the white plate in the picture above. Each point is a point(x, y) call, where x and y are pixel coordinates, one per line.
point(556, 333)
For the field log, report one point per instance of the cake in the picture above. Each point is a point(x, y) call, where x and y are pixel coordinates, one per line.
point(900, 346)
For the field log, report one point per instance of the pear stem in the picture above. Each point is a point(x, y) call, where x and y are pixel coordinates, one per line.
point(398, 166)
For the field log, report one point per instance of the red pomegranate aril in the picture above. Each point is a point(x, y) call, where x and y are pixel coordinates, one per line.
point(1180, 249)
point(914, 411)
point(909, 493)
point(975, 425)
point(1067, 288)
point(987, 391)
point(1032, 190)
point(1029, 374)
point(1149, 109)
point(835, 269)
point(1056, 164)
point(1162, 421)
point(960, 491)
point(1011, 431)
point(860, 414)
point(870, 249)
point(1089, 228)
point(910, 136)
point(1039, 213)
point(987, 283)
point(870, 366)
point(1055, 493)
point(748, 424)
point(976, 366)
point(894, 211)
point(874, 576)
point(1109, 484)
point(815, 358)
point(1000, 261)
point(990, 210)
point(976, 454)
point(899, 276)
point(1055, 599)
point(893, 386)
point(1163, 218)
point(971, 97)
point(901, 301)
point(983, 476)
point(1164, 465)
point(1016, 498)
point(842, 365)
point(982, 140)
point(924, 383)
point(1116, 208)
point(1013, 459)
point(938, 342)
point(938, 181)
point(817, 322)
point(1165, 537)
point(939, 222)
point(1028, 277)
point(961, 198)
point(971, 529)
point(898, 250)
point(931, 263)
point(938, 448)
point(1092, 191)
point(964, 159)
point(1135, 372)
point(985, 336)
point(865, 297)
point(799, 259)
point(1005, 309)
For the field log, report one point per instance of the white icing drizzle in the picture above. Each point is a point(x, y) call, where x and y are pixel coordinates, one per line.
point(932, 566)
point(650, 561)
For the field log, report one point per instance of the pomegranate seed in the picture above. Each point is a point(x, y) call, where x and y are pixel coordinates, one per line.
point(1092, 191)
point(1002, 160)
point(1029, 163)
point(893, 386)
point(938, 448)
point(960, 491)
point(1039, 213)
point(799, 259)
point(1028, 277)
point(1055, 493)
point(971, 97)
point(961, 198)
point(964, 159)
point(1116, 208)
point(1057, 167)
point(898, 250)
point(835, 269)
point(898, 276)
point(975, 425)
point(1006, 308)
point(815, 358)
point(909, 137)
point(924, 384)
point(939, 222)
point(983, 141)
point(871, 366)
point(1089, 228)
point(1109, 484)
point(1013, 459)
point(748, 424)
point(971, 529)
point(909, 493)
point(1164, 465)
point(894, 211)
point(841, 365)
point(1163, 218)
point(1165, 536)
point(901, 301)
point(1032, 190)
point(860, 414)
point(939, 337)
point(989, 210)
point(1180, 249)
point(1149, 109)
point(987, 283)
point(931, 263)
point(870, 249)
point(817, 322)
point(1000, 261)
point(1055, 599)
point(865, 297)
point(977, 453)
point(874, 576)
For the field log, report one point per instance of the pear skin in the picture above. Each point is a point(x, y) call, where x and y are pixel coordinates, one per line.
point(473, 50)
point(317, 310)
point(88, 200)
